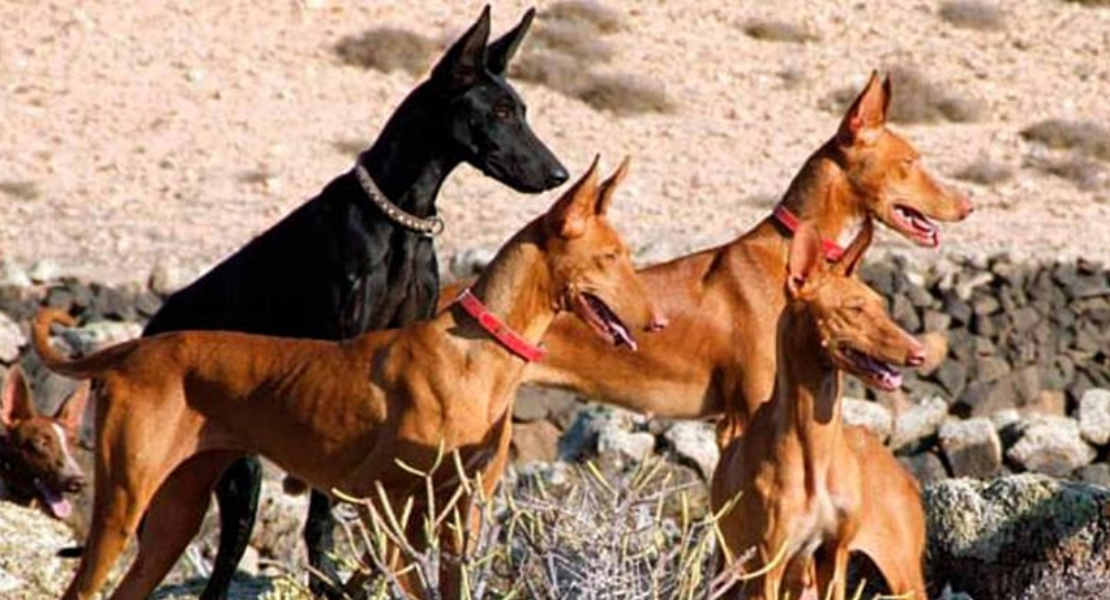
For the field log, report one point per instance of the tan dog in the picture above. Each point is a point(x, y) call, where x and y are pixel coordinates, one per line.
point(36, 451)
point(717, 355)
point(796, 476)
point(173, 410)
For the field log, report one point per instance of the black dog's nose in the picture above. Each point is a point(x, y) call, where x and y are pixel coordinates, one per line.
point(557, 176)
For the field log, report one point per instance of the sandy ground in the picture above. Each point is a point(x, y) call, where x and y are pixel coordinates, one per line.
point(131, 131)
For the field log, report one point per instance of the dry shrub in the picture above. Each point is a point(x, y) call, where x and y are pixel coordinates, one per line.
point(778, 31)
point(985, 171)
point(624, 94)
point(1085, 173)
point(973, 14)
point(917, 100)
point(584, 13)
point(388, 49)
point(557, 71)
point(20, 190)
point(573, 40)
point(1093, 3)
point(1084, 137)
point(349, 146)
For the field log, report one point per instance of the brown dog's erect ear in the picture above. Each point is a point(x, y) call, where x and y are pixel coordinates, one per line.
point(501, 51)
point(15, 399)
point(569, 216)
point(867, 115)
point(72, 411)
point(847, 264)
point(609, 187)
point(805, 257)
point(465, 60)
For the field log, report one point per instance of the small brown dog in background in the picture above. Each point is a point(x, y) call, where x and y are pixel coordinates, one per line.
point(37, 465)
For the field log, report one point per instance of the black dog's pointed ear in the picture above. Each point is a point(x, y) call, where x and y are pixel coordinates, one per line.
point(501, 51)
point(466, 58)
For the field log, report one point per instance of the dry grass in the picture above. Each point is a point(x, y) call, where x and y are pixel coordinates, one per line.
point(20, 190)
point(1091, 3)
point(973, 14)
point(1083, 137)
point(918, 100)
point(584, 13)
point(566, 37)
point(985, 171)
point(557, 71)
point(624, 94)
point(778, 31)
point(349, 146)
point(387, 49)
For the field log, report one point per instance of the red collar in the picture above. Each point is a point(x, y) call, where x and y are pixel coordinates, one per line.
point(498, 329)
point(789, 220)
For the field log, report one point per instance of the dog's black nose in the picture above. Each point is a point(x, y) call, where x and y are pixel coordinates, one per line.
point(557, 176)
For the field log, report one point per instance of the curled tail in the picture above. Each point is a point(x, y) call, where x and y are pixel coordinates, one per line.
point(85, 367)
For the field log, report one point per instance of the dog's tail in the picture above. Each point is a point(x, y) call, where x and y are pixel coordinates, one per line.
point(85, 367)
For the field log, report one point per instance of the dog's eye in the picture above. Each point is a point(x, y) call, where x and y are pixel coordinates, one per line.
point(502, 112)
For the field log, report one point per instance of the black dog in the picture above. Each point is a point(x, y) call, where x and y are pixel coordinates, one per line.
point(360, 256)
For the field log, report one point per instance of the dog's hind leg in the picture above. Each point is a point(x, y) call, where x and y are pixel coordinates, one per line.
point(116, 514)
point(173, 519)
point(237, 495)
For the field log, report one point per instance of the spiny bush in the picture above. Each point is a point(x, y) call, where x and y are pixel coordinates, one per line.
point(778, 31)
point(584, 13)
point(917, 100)
point(582, 43)
point(973, 14)
point(1083, 137)
point(985, 171)
point(388, 49)
point(624, 94)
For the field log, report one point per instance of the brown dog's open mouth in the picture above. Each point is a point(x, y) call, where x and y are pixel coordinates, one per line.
point(916, 226)
point(604, 321)
point(54, 501)
point(873, 371)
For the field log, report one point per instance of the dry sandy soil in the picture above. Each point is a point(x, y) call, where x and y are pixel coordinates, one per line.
point(131, 131)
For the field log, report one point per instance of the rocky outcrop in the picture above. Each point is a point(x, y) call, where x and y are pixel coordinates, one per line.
point(1010, 537)
point(29, 543)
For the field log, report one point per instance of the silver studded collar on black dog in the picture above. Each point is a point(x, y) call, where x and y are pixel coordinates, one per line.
point(425, 226)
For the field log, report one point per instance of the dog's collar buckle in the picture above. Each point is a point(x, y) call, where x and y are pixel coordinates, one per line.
point(832, 250)
point(428, 227)
point(497, 328)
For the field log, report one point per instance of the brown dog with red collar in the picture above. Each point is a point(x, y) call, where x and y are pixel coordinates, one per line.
point(174, 409)
point(797, 478)
point(37, 465)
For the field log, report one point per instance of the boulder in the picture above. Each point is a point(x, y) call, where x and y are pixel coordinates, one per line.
point(1051, 445)
point(925, 467)
point(869, 415)
point(1094, 416)
point(914, 426)
point(599, 428)
point(695, 441)
point(11, 340)
point(1009, 537)
point(29, 543)
point(972, 447)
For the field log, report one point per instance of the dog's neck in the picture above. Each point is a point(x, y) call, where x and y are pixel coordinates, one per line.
point(807, 393)
point(408, 161)
point(821, 194)
point(517, 287)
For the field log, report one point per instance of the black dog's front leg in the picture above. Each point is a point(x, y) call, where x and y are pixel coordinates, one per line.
point(237, 494)
point(319, 538)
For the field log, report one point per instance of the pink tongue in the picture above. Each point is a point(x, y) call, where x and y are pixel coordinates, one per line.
point(58, 505)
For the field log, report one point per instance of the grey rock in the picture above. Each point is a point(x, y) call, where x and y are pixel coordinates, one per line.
point(1096, 474)
point(29, 543)
point(972, 447)
point(630, 445)
point(585, 434)
point(43, 271)
point(695, 441)
point(13, 275)
point(998, 539)
point(167, 276)
point(11, 340)
point(1094, 416)
point(471, 262)
point(925, 467)
point(1051, 445)
point(870, 415)
point(914, 426)
point(98, 335)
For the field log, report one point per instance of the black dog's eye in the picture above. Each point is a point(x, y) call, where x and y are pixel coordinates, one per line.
point(502, 112)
